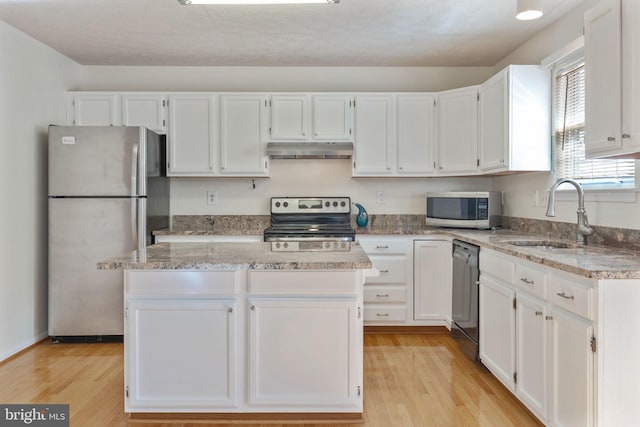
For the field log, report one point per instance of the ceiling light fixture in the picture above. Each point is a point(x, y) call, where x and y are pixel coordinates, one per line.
point(527, 10)
point(188, 2)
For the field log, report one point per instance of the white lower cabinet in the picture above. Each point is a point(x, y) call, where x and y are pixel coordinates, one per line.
point(497, 330)
point(572, 370)
point(432, 276)
point(183, 354)
point(536, 335)
point(531, 350)
point(242, 342)
point(309, 362)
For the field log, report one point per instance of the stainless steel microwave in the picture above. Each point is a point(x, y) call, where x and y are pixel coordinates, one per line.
point(465, 209)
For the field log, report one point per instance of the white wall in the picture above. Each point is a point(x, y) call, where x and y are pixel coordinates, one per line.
point(294, 177)
point(33, 82)
point(520, 190)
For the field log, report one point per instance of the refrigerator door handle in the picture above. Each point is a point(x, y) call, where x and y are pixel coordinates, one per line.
point(134, 194)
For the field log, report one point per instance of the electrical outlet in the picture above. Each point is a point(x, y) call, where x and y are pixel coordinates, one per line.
point(212, 197)
point(545, 197)
point(380, 196)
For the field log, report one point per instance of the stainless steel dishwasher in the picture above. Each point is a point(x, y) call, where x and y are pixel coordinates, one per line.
point(464, 310)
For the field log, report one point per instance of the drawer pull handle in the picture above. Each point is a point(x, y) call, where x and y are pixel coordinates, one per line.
point(382, 295)
point(538, 313)
point(565, 296)
point(382, 247)
point(384, 271)
point(548, 317)
point(527, 281)
point(382, 314)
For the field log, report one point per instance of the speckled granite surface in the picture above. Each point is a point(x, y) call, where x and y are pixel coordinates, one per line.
point(235, 256)
point(611, 253)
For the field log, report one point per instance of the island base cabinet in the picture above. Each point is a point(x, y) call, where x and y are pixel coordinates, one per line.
point(181, 355)
point(306, 363)
point(572, 370)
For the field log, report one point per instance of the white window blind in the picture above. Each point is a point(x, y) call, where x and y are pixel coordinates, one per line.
point(569, 137)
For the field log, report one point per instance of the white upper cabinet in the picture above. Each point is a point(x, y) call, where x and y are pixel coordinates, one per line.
point(514, 111)
point(458, 131)
point(375, 135)
point(416, 135)
point(242, 135)
point(149, 110)
point(332, 117)
point(289, 117)
point(192, 138)
point(612, 65)
point(93, 109)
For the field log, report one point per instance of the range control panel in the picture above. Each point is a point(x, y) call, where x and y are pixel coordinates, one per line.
point(300, 205)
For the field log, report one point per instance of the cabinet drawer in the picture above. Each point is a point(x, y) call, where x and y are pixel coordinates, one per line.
point(572, 296)
point(392, 269)
point(386, 246)
point(530, 279)
point(496, 266)
point(180, 283)
point(385, 313)
point(385, 294)
point(318, 282)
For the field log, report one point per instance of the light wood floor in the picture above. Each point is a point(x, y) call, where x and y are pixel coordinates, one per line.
point(410, 380)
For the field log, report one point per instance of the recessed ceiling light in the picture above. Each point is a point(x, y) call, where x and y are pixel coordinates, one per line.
point(188, 2)
point(527, 10)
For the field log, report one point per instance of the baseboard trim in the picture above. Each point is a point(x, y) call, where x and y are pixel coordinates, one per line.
point(398, 329)
point(22, 348)
point(247, 418)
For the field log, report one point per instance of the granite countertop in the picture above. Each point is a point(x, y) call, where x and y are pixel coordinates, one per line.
point(235, 256)
point(592, 261)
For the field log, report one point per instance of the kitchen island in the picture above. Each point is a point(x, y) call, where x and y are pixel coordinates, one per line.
point(243, 330)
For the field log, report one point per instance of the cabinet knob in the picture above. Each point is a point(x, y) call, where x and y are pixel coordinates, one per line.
point(230, 310)
point(548, 317)
point(538, 313)
point(253, 308)
point(611, 139)
point(626, 135)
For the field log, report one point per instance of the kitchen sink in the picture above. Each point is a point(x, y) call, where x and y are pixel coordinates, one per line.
point(542, 244)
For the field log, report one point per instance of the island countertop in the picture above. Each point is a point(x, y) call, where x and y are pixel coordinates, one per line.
point(236, 256)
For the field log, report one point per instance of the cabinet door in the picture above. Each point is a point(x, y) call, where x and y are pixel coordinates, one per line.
point(458, 131)
point(493, 108)
point(147, 110)
point(630, 71)
point(432, 275)
point(289, 117)
point(332, 117)
point(180, 355)
point(312, 362)
point(242, 129)
point(572, 371)
point(531, 351)
point(497, 330)
point(416, 136)
point(602, 32)
point(191, 134)
point(375, 132)
point(95, 110)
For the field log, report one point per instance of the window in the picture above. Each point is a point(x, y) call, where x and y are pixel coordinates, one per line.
point(570, 162)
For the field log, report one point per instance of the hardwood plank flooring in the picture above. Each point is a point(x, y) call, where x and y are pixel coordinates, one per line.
point(410, 380)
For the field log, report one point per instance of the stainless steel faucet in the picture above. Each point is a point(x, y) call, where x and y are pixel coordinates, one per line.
point(583, 229)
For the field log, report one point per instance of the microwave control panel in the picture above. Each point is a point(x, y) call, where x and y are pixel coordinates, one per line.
point(482, 209)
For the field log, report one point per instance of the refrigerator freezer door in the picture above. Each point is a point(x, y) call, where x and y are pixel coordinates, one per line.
point(82, 299)
point(96, 160)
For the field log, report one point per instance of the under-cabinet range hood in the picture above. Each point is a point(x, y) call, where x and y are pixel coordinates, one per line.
point(310, 150)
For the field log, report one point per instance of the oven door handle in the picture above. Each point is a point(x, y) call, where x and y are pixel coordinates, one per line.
point(308, 239)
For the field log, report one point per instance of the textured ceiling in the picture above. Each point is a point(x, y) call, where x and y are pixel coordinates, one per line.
point(351, 33)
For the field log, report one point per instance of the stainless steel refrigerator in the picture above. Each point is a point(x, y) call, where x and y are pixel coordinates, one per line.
point(108, 191)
